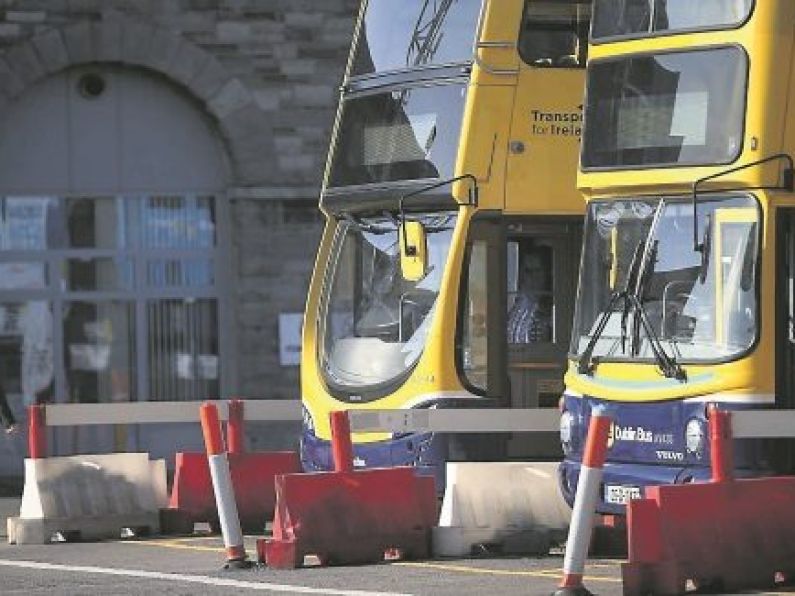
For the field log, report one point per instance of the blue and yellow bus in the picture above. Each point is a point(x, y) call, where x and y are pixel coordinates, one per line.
point(446, 273)
point(686, 282)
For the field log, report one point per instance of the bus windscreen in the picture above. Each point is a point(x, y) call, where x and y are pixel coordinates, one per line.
point(641, 18)
point(405, 134)
point(415, 33)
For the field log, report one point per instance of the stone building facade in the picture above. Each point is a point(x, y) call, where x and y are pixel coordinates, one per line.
point(260, 78)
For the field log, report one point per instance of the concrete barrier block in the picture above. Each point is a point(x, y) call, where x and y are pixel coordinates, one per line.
point(511, 507)
point(94, 496)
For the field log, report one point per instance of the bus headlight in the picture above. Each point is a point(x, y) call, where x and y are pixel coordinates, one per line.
point(566, 431)
point(695, 436)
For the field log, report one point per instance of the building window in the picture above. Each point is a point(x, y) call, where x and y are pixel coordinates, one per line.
point(130, 281)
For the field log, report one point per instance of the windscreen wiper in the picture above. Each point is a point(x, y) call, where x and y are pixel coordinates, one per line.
point(588, 362)
point(634, 287)
point(668, 364)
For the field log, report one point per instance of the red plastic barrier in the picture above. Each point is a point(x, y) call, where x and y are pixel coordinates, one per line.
point(349, 516)
point(727, 534)
point(253, 474)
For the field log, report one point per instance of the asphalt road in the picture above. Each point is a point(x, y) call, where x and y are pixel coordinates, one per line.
point(193, 566)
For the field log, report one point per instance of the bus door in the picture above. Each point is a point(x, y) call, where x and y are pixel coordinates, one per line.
point(540, 284)
point(783, 456)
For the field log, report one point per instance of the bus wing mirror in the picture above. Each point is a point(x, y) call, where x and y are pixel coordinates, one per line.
point(413, 251)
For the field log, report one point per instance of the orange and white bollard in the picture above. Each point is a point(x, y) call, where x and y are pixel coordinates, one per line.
point(37, 432)
point(584, 506)
point(222, 487)
point(721, 448)
point(235, 427)
point(341, 443)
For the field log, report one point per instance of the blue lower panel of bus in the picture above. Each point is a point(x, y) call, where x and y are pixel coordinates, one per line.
point(649, 444)
point(426, 452)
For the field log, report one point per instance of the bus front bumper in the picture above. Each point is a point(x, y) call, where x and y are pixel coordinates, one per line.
point(621, 482)
point(425, 452)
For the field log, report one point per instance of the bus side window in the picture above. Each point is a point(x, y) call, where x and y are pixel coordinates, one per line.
point(555, 34)
point(475, 324)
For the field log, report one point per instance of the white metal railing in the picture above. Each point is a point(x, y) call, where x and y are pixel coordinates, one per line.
point(149, 412)
point(746, 424)
point(463, 420)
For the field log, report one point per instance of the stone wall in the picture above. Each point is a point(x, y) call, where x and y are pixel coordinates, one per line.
point(267, 73)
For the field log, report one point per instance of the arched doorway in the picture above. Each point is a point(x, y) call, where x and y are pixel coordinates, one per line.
point(112, 229)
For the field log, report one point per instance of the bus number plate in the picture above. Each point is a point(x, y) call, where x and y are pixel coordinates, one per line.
point(619, 494)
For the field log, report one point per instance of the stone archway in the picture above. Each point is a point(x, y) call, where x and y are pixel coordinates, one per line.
point(122, 40)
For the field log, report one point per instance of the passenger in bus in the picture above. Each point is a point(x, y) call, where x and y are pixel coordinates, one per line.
point(552, 47)
point(530, 318)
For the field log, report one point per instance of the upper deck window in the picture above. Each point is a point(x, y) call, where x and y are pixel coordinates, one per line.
point(641, 18)
point(404, 34)
point(680, 108)
point(404, 134)
point(555, 33)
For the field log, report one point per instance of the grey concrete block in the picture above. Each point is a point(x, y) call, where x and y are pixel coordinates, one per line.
point(305, 20)
point(9, 30)
point(315, 96)
point(136, 42)
point(39, 531)
point(86, 6)
point(288, 144)
point(26, 16)
point(10, 83)
point(230, 98)
point(9, 507)
point(25, 63)
point(210, 79)
point(233, 32)
point(299, 67)
point(108, 40)
point(79, 41)
point(52, 50)
point(163, 48)
point(267, 99)
point(188, 62)
point(258, 172)
point(247, 122)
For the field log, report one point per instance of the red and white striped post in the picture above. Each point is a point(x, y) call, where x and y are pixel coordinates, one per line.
point(341, 444)
point(37, 432)
point(222, 487)
point(235, 427)
point(584, 506)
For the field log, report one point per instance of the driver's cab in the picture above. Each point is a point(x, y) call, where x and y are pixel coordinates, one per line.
point(516, 311)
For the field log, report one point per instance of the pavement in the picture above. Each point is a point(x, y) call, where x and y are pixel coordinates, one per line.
point(192, 565)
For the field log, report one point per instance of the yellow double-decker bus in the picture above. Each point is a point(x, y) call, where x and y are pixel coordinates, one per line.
point(686, 282)
point(446, 273)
